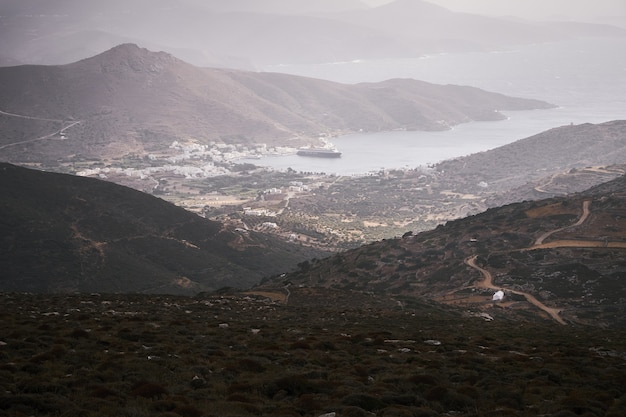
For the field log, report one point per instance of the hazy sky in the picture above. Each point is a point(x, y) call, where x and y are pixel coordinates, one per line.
point(586, 10)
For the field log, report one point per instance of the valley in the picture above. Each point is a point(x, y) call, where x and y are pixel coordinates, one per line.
point(183, 139)
point(466, 259)
point(341, 212)
point(331, 212)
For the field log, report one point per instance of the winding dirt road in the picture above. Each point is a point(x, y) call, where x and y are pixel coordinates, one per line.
point(580, 221)
point(487, 281)
point(67, 124)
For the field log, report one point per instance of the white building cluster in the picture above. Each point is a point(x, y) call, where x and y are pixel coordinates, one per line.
point(191, 160)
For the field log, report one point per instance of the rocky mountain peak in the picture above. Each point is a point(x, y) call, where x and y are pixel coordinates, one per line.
point(132, 57)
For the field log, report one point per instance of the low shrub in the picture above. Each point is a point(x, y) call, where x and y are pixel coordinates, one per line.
point(364, 401)
point(148, 390)
point(187, 411)
point(297, 385)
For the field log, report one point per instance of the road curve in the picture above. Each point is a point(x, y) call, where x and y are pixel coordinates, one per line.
point(487, 281)
point(580, 221)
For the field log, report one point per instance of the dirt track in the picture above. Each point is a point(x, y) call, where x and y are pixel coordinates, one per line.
point(67, 124)
point(487, 281)
point(580, 221)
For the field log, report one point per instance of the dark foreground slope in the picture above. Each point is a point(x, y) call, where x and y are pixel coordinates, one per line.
point(62, 233)
point(325, 352)
point(563, 259)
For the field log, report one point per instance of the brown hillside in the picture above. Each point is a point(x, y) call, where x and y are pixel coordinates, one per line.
point(539, 156)
point(130, 100)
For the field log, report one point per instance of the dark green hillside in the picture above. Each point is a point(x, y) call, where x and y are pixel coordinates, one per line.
point(62, 233)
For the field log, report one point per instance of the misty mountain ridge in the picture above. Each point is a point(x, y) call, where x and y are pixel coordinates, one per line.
point(250, 35)
point(131, 100)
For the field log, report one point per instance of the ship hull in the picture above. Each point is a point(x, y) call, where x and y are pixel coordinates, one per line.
point(319, 153)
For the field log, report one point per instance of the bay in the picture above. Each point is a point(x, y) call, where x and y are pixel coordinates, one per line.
point(586, 78)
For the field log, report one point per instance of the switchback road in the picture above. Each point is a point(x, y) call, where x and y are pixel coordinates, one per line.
point(487, 281)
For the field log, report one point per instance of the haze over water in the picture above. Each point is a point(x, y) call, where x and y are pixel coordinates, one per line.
point(586, 78)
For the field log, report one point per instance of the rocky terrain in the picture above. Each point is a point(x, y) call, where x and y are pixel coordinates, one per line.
point(558, 258)
point(404, 326)
point(178, 282)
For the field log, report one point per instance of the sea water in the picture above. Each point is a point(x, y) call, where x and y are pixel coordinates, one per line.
point(586, 78)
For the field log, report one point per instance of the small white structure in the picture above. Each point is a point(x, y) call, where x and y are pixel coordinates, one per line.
point(498, 296)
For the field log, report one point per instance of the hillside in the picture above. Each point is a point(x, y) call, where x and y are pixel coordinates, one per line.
point(560, 258)
point(535, 158)
point(404, 326)
point(131, 101)
point(67, 234)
